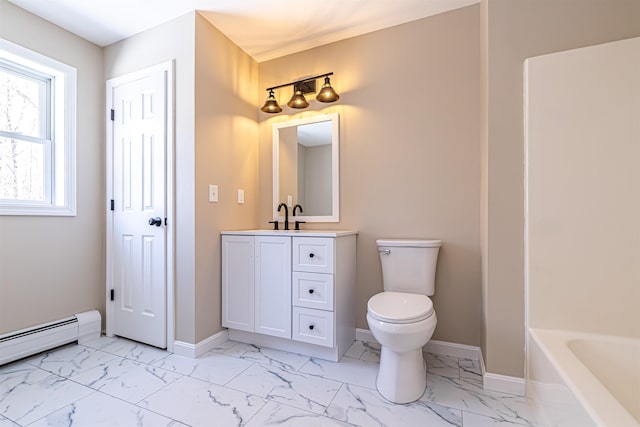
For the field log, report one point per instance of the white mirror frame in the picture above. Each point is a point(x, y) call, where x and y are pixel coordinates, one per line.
point(335, 150)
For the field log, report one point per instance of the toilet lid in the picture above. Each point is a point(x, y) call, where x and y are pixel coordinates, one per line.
point(400, 307)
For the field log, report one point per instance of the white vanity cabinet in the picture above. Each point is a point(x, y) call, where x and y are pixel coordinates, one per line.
point(290, 290)
point(256, 277)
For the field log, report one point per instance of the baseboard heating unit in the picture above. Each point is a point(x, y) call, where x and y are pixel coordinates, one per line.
point(80, 327)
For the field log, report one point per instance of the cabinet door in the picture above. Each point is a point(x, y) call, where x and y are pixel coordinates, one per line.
point(238, 282)
point(273, 285)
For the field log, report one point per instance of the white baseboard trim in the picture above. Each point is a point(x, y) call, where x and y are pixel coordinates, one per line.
point(196, 350)
point(452, 349)
point(504, 384)
point(481, 360)
point(501, 383)
point(433, 346)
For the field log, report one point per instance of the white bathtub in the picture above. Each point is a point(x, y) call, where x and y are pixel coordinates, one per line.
point(580, 379)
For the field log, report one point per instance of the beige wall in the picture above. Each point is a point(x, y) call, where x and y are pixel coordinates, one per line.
point(409, 151)
point(226, 153)
point(583, 152)
point(410, 158)
point(516, 30)
point(174, 40)
point(215, 134)
point(53, 267)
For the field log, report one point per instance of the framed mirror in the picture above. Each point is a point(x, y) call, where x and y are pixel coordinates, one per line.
point(305, 168)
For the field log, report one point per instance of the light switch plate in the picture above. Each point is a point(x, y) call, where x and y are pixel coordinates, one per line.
point(213, 193)
point(240, 196)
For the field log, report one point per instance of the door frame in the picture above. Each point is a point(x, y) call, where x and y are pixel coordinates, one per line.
point(167, 68)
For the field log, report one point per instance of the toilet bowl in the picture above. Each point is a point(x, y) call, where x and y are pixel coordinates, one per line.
point(402, 374)
point(402, 318)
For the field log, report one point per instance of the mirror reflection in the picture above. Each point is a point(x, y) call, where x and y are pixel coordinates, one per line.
point(305, 167)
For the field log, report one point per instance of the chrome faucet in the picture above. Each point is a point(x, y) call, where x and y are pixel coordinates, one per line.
point(286, 214)
point(297, 226)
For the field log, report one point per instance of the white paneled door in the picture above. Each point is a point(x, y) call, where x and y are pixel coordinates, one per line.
point(137, 233)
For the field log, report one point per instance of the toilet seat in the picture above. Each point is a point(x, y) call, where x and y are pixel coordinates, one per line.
point(400, 307)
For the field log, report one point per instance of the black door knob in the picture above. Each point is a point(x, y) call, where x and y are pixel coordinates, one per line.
point(311, 327)
point(157, 221)
point(310, 291)
point(311, 255)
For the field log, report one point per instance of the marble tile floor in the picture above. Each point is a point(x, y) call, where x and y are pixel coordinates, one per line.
point(116, 382)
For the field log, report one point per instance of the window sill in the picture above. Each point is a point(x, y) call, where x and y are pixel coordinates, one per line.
point(37, 211)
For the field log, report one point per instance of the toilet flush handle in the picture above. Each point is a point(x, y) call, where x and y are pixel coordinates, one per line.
point(385, 251)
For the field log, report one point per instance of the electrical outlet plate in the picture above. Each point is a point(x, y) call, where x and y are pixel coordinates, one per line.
point(213, 193)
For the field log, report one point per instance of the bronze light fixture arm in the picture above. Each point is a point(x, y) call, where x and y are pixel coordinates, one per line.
point(297, 82)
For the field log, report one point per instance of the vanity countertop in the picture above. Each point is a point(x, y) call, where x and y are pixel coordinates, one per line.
point(301, 233)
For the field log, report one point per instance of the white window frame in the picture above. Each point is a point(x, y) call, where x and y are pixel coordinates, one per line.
point(62, 170)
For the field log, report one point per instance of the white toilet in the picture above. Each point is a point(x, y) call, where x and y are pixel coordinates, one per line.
point(402, 318)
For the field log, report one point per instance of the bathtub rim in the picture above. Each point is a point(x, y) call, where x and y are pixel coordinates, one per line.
point(605, 410)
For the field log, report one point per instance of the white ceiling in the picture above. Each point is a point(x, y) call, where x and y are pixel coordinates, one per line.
point(265, 29)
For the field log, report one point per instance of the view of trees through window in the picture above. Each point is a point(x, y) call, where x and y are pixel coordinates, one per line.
point(23, 140)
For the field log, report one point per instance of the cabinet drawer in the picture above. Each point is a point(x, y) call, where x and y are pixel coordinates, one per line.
point(313, 290)
point(313, 254)
point(313, 326)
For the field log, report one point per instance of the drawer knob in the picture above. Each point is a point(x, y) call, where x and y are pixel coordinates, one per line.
point(311, 255)
point(311, 327)
point(310, 291)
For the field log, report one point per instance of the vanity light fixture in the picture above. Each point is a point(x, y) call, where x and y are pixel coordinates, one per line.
point(327, 93)
point(298, 100)
point(300, 88)
point(271, 104)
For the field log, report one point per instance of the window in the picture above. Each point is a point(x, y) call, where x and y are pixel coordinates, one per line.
point(37, 133)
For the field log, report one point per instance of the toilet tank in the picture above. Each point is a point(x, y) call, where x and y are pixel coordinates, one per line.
point(409, 265)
